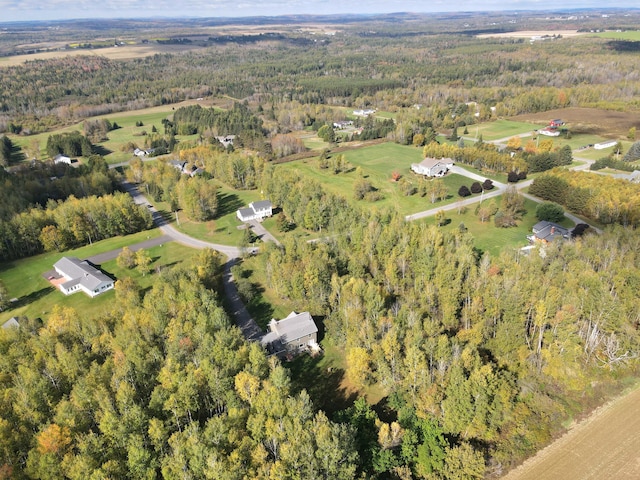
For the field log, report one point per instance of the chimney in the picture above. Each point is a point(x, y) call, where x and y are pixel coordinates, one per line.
point(553, 230)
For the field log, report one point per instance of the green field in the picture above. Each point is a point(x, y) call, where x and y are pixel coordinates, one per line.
point(24, 281)
point(499, 129)
point(633, 35)
point(377, 163)
point(111, 148)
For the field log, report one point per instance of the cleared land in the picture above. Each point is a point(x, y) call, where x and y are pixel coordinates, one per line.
point(605, 445)
point(125, 52)
point(605, 123)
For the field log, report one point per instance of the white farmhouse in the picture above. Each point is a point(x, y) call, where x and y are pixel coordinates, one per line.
point(256, 211)
point(433, 167)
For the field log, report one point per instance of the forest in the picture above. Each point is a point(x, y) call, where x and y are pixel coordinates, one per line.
point(479, 359)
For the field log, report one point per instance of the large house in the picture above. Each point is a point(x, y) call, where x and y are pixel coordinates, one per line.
point(432, 167)
point(256, 211)
point(546, 232)
point(291, 335)
point(80, 275)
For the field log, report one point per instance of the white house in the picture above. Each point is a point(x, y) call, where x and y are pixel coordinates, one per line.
point(62, 159)
point(79, 275)
point(292, 334)
point(226, 140)
point(364, 113)
point(549, 132)
point(603, 145)
point(256, 211)
point(432, 167)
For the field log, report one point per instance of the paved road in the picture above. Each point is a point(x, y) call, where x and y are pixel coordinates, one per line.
point(249, 327)
point(106, 256)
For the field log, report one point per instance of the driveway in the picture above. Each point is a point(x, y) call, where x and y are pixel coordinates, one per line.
point(249, 327)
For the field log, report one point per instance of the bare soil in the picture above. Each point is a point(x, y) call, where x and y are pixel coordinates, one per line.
point(606, 123)
point(603, 446)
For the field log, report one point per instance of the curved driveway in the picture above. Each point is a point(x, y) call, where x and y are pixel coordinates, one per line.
point(249, 327)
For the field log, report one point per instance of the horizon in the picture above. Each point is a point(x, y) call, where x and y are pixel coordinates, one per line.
point(65, 10)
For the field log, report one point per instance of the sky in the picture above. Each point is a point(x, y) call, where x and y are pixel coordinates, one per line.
point(26, 10)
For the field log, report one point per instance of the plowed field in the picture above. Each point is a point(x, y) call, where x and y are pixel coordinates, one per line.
point(606, 445)
point(606, 123)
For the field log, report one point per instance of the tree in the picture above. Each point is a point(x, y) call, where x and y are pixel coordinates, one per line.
point(633, 153)
point(514, 143)
point(464, 191)
point(513, 177)
point(549, 211)
point(361, 187)
point(143, 260)
point(126, 258)
point(327, 134)
point(487, 184)
point(476, 187)
point(631, 135)
point(440, 218)
point(4, 297)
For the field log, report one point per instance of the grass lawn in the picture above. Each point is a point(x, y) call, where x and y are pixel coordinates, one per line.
point(377, 163)
point(633, 35)
point(490, 238)
point(223, 229)
point(24, 281)
point(500, 129)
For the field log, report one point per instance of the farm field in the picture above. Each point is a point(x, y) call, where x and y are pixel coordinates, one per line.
point(604, 445)
point(606, 124)
point(499, 129)
point(123, 52)
point(632, 35)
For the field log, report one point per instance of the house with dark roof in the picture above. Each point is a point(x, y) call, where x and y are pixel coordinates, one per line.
point(547, 232)
point(79, 275)
point(432, 167)
point(293, 334)
point(256, 211)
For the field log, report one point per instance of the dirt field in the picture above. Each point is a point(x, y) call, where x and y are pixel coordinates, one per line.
point(607, 123)
point(124, 52)
point(606, 445)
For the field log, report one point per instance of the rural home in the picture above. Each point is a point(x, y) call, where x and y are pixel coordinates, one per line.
point(432, 167)
point(548, 232)
point(62, 159)
point(549, 132)
point(363, 113)
point(226, 140)
point(256, 211)
point(556, 123)
point(186, 168)
point(291, 335)
point(603, 145)
point(11, 323)
point(80, 275)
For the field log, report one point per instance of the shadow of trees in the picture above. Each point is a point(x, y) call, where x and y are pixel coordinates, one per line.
point(228, 203)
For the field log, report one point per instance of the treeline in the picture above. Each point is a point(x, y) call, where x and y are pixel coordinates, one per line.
point(39, 182)
point(237, 120)
point(158, 387)
point(452, 335)
point(70, 144)
point(70, 223)
point(480, 155)
point(599, 197)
